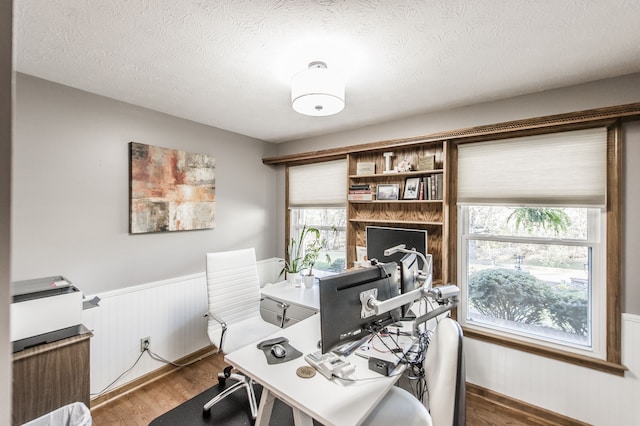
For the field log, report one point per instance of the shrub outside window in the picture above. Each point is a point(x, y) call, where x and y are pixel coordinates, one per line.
point(536, 273)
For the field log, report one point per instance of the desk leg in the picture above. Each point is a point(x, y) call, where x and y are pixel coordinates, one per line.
point(301, 419)
point(264, 410)
point(266, 406)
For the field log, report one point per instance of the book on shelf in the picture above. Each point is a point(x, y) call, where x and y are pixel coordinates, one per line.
point(357, 186)
point(433, 186)
point(360, 196)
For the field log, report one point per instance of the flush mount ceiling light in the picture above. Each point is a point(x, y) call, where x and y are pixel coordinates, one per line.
point(317, 91)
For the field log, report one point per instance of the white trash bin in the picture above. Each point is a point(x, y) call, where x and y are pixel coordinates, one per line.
point(75, 414)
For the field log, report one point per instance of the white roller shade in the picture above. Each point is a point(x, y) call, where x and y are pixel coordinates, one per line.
point(568, 168)
point(319, 184)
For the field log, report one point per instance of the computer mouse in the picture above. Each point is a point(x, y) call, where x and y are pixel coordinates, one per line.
point(278, 350)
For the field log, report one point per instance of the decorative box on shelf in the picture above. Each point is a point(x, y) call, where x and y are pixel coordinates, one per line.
point(365, 168)
point(427, 163)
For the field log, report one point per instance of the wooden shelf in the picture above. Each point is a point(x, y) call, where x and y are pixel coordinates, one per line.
point(399, 222)
point(429, 215)
point(403, 174)
point(395, 201)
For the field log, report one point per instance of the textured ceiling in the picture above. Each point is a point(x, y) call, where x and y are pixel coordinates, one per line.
point(228, 63)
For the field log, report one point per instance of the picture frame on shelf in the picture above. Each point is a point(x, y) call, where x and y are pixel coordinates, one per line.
point(411, 188)
point(387, 191)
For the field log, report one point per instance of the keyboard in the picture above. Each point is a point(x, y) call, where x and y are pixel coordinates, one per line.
point(347, 348)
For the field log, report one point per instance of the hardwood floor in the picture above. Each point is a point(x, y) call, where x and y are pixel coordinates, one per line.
point(142, 405)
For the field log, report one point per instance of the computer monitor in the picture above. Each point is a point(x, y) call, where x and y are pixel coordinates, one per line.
point(380, 238)
point(341, 308)
point(409, 272)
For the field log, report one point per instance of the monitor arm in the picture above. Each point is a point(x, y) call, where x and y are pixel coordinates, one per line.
point(425, 276)
point(446, 296)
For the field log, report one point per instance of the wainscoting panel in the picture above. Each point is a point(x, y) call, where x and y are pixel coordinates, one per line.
point(170, 312)
point(577, 392)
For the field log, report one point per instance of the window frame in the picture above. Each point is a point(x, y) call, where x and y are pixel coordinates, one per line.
point(612, 244)
point(597, 313)
point(288, 207)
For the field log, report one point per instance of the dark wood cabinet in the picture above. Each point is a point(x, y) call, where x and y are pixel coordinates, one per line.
point(49, 376)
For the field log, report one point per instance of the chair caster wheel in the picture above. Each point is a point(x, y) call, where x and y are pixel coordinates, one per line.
point(206, 413)
point(226, 374)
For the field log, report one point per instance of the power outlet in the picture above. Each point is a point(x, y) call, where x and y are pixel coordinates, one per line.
point(145, 343)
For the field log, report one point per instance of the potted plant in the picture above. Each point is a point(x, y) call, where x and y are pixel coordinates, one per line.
point(295, 258)
point(312, 253)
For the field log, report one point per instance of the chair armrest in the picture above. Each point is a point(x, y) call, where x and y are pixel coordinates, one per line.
point(222, 324)
point(280, 303)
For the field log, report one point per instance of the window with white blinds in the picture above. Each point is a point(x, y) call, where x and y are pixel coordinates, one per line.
point(567, 168)
point(318, 184)
point(532, 252)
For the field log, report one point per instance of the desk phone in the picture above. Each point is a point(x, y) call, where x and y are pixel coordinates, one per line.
point(330, 364)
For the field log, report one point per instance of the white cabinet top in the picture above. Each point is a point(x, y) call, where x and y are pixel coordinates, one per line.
point(289, 293)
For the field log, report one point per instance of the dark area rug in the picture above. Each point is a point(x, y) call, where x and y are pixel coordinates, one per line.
point(232, 410)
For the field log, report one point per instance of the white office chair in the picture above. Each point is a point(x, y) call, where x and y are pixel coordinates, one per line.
point(234, 321)
point(445, 378)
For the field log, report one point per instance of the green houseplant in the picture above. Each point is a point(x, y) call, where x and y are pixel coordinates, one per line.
point(312, 253)
point(296, 258)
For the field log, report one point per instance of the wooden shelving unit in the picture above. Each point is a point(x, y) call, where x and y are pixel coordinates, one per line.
point(415, 214)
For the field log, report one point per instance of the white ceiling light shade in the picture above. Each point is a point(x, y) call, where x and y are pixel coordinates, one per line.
point(317, 91)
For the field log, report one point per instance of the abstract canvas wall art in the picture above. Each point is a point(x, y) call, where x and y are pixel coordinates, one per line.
point(170, 190)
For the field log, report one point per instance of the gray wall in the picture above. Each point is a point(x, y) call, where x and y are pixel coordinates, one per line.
point(631, 220)
point(597, 94)
point(6, 100)
point(610, 92)
point(70, 186)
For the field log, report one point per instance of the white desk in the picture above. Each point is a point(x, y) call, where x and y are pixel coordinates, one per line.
point(302, 303)
point(331, 402)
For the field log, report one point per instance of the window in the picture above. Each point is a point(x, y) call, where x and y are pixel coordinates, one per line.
point(535, 272)
point(316, 198)
point(532, 239)
point(331, 224)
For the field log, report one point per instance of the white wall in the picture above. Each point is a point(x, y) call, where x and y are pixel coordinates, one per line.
point(70, 184)
point(597, 398)
point(6, 100)
point(581, 393)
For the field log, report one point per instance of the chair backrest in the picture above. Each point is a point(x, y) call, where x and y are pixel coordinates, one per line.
point(445, 377)
point(233, 288)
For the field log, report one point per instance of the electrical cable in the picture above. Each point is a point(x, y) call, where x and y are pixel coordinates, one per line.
point(156, 357)
point(120, 376)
